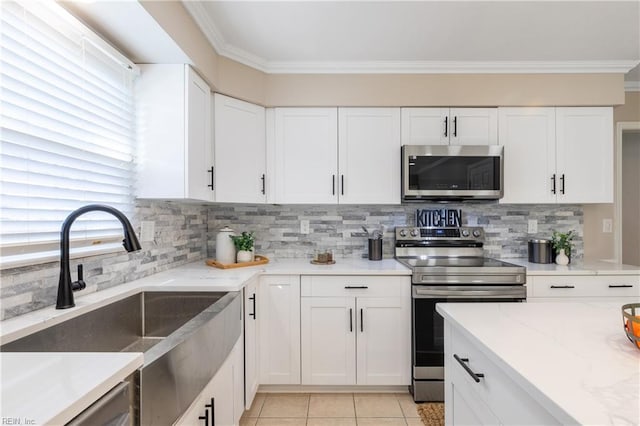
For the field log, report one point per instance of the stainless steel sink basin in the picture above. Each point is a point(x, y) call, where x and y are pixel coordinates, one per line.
point(185, 338)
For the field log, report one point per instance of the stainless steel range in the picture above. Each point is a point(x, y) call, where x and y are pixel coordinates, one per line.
point(448, 265)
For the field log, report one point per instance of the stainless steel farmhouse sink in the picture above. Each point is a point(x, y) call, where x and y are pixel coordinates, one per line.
point(185, 337)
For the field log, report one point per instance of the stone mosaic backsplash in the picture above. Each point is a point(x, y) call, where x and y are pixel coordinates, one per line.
point(180, 237)
point(186, 232)
point(339, 228)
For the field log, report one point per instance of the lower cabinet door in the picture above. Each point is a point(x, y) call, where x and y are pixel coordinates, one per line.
point(328, 326)
point(251, 316)
point(467, 409)
point(279, 329)
point(383, 340)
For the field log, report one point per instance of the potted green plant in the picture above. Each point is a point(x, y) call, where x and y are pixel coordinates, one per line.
point(562, 245)
point(244, 245)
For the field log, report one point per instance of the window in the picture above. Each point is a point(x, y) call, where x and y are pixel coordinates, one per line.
point(67, 131)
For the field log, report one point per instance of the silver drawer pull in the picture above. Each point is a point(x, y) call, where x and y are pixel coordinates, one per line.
point(563, 286)
point(463, 362)
point(620, 285)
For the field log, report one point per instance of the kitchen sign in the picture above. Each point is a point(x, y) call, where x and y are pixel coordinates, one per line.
point(439, 217)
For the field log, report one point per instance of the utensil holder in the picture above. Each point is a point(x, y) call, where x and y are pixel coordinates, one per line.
point(375, 248)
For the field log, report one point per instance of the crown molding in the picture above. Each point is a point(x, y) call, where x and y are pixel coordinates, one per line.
point(208, 27)
point(632, 86)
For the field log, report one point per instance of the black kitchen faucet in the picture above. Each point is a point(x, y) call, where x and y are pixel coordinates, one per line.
point(65, 286)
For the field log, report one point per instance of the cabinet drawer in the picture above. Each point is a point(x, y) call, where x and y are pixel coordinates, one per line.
point(355, 285)
point(505, 398)
point(586, 286)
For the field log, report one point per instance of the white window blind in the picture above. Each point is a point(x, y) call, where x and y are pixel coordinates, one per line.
point(67, 129)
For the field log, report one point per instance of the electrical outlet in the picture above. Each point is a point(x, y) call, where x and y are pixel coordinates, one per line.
point(607, 225)
point(532, 226)
point(147, 230)
point(304, 226)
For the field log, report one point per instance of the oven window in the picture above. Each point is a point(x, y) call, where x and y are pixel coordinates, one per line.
point(429, 173)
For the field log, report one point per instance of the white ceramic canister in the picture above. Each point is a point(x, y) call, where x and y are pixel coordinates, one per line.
point(225, 250)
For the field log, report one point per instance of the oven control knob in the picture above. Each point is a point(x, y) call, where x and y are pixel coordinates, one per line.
point(465, 233)
point(403, 233)
point(476, 233)
point(414, 232)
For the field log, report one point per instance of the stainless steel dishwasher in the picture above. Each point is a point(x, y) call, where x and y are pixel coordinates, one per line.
point(113, 409)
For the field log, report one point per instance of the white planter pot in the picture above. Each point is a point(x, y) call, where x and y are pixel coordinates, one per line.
point(244, 256)
point(562, 258)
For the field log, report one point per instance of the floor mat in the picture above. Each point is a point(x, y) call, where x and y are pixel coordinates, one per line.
point(431, 413)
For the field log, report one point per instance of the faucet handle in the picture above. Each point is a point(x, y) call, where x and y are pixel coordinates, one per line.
point(80, 284)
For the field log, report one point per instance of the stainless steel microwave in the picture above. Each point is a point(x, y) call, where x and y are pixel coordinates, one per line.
point(452, 172)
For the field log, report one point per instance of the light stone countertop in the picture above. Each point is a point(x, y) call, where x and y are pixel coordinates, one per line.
point(53, 388)
point(580, 267)
point(61, 385)
point(576, 361)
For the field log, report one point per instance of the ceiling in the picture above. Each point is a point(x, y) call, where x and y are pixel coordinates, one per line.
point(424, 36)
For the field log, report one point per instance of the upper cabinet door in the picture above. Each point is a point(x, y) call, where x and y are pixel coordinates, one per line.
point(473, 126)
point(240, 166)
point(444, 126)
point(585, 154)
point(369, 156)
point(528, 137)
point(305, 152)
point(425, 126)
point(199, 143)
point(175, 154)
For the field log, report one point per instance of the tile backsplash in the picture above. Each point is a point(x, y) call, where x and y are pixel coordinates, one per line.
point(186, 232)
point(339, 228)
point(180, 237)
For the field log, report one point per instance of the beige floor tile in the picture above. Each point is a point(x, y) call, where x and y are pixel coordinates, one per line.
point(281, 422)
point(377, 405)
point(408, 406)
point(256, 406)
point(289, 405)
point(414, 422)
point(248, 421)
point(380, 421)
point(331, 405)
point(335, 421)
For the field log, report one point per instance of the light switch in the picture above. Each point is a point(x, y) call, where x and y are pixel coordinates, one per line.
point(304, 226)
point(532, 227)
point(147, 230)
point(607, 225)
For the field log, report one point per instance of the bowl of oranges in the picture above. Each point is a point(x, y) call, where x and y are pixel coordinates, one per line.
point(631, 321)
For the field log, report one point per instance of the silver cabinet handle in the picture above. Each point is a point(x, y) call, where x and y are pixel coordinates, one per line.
point(463, 362)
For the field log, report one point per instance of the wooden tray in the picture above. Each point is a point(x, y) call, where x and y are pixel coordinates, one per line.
point(259, 260)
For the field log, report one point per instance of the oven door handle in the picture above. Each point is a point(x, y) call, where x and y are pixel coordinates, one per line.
point(467, 294)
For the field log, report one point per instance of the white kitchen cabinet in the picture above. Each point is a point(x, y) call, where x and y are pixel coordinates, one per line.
point(491, 400)
point(584, 154)
point(369, 155)
point(449, 126)
point(356, 330)
point(175, 147)
point(563, 288)
point(251, 342)
point(279, 329)
point(240, 157)
point(221, 403)
point(557, 155)
point(304, 147)
point(335, 155)
point(529, 139)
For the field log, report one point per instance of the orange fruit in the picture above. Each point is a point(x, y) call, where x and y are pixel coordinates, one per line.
point(633, 327)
